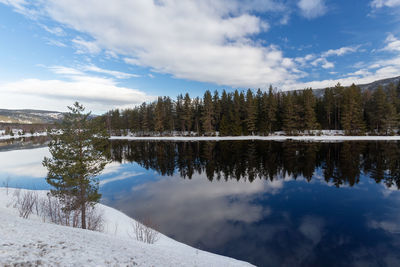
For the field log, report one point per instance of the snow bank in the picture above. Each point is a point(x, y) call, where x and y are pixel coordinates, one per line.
point(322, 138)
point(16, 135)
point(32, 242)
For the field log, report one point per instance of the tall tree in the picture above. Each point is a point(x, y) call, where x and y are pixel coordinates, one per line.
point(271, 109)
point(78, 155)
point(251, 112)
point(207, 117)
point(309, 117)
point(290, 117)
point(352, 113)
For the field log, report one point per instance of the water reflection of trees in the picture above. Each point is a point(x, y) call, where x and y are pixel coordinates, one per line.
point(341, 163)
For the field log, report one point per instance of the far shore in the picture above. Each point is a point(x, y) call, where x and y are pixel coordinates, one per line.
point(331, 137)
point(320, 138)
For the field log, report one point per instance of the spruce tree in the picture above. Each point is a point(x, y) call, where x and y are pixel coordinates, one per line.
point(271, 109)
point(352, 112)
point(207, 117)
point(159, 120)
point(78, 155)
point(309, 117)
point(251, 112)
point(289, 115)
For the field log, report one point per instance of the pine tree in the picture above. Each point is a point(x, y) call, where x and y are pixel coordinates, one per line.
point(78, 155)
point(289, 115)
point(352, 113)
point(329, 108)
point(309, 117)
point(187, 112)
point(251, 112)
point(271, 109)
point(236, 125)
point(159, 120)
point(207, 117)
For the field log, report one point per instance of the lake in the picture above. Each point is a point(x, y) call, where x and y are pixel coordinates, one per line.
point(269, 203)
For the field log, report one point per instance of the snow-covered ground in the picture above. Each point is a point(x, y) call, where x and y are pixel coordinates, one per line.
point(16, 135)
point(321, 138)
point(31, 242)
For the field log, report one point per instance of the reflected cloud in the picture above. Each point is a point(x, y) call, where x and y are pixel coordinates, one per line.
point(219, 203)
point(27, 162)
point(122, 176)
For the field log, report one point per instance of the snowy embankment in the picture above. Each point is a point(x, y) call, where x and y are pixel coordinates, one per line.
point(16, 136)
point(32, 242)
point(321, 138)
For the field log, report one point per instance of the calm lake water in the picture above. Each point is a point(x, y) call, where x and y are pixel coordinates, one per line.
point(268, 203)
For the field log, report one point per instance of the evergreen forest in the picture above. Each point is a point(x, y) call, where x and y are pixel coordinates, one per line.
point(355, 111)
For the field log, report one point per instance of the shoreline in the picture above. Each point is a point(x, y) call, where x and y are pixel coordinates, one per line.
point(316, 138)
point(115, 242)
point(321, 138)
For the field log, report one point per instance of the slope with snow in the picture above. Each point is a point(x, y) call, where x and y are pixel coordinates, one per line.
point(31, 242)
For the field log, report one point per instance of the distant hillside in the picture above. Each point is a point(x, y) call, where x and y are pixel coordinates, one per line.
point(29, 116)
point(369, 86)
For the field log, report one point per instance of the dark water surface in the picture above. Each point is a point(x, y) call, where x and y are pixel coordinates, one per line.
point(268, 203)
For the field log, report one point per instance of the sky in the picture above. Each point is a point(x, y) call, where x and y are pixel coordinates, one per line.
point(118, 54)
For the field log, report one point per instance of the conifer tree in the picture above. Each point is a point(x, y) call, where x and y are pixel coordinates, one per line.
point(187, 112)
point(236, 125)
point(309, 117)
point(352, 113)
point(159, 120)
point(251, 112)
point(207, 117)
point(271, 109)
point(289, 115)
point(78, 155)
point(217, 110)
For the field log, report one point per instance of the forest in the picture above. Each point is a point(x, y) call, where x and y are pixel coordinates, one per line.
point(350, 109)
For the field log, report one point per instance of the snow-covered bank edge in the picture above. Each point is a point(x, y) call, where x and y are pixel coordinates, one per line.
point(322, 138)
point(31, 241)
point(17, 136)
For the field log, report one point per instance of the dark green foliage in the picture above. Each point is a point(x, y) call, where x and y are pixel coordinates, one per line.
point(78, 154)
point(352, 112)
point(247, 113)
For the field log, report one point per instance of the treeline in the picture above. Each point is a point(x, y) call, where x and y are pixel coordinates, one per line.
point(339, 163)
point(262, 113)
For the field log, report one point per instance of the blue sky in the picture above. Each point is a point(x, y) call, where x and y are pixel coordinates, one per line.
point(110, 54)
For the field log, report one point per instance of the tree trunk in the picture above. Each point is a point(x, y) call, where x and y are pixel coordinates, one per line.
point(83, 215)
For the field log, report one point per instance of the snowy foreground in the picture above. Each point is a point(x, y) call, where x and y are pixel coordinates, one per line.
point(31, 242)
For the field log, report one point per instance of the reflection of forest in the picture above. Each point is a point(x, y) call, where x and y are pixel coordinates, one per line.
point(341, 163)
point(23, 143)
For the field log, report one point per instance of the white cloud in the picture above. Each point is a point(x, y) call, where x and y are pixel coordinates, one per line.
point(55, 43)
point(385, 3)
point(392, 43)
point(323, 62)
point(53, 30)
point(340, 51)
point(97, 94)
point(207, 41)
point(116, 74)
point(311, 9)
point(85, 47)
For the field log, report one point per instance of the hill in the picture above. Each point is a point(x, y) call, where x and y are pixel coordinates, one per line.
point(29, 116)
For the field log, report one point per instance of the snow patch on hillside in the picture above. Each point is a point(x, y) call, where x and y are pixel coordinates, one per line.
point(33, 242)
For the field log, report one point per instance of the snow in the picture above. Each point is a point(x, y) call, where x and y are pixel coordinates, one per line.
point(16, 135)
point(33, 242)
point(321, 138)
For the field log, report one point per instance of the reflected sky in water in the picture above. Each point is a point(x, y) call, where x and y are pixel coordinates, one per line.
point(269, 222)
